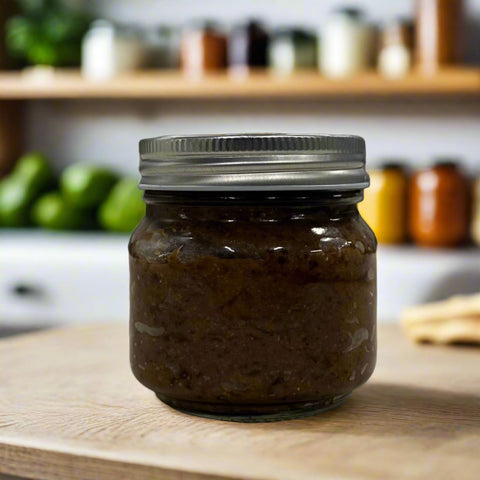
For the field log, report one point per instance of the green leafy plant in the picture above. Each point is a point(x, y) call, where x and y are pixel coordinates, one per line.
point(46, 33)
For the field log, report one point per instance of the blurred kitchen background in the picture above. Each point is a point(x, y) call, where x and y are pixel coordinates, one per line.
point(82, 81)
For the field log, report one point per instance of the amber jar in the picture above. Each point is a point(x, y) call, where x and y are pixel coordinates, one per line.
point(203, 49)
point(439, 206)
point(385, 203)
point(476, 212)
point(438, 33)
point(252, 275)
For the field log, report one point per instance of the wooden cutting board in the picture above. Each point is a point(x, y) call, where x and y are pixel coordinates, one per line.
point(70, 409)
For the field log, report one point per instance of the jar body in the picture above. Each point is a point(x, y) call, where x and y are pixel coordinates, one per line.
point(108, 51)
point(384, 205)
point(252, 306)
point(439, 207)
point(394, 59)
point(162, 47)
point(475, 229)
point(203, 51)
point(438, 30)
point(346, 46)
point(248, 47)
point(292, 50)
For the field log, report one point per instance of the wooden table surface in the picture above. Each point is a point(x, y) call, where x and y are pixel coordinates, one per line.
point(71, 409)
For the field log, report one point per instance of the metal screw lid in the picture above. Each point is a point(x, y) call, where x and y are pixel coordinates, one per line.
point(253, 162)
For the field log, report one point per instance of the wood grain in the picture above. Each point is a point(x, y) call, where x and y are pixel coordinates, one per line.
point(70, 409)
point(258, 85)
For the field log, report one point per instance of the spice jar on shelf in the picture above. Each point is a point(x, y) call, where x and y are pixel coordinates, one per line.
point(248, 47)
point(475, 229)
point(438, 33)
point(439, 206)
point(385, 202)
point(109, 50)
point(396, 44)
point(162, 47)
point(203, 49)
point(292, 49)
point(347, 44)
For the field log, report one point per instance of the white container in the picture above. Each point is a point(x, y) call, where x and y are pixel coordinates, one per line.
point(162, 47)
point(291, 50)
point(395, 57)
point(108, 51)
point(394, 61)
point(281, 55)
point(347, 44)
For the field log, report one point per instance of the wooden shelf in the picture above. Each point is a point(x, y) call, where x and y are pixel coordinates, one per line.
point(258, 85)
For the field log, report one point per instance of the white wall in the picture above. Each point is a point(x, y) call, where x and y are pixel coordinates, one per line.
point(304, 12)
point(274, 12)
point(108, 131)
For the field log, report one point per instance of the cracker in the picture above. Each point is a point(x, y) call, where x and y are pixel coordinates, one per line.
point(454, 320)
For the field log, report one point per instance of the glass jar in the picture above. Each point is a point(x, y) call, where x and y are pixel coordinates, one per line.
point(203, 49)
point(162, 45)
point(396, 44)
point(252, 275)
point(438, 33)
point(385, 203)
point(347, 44)
point(247, 47)
point(291, 50)
point(109, 50)
point(439, 206)
point(475, 229)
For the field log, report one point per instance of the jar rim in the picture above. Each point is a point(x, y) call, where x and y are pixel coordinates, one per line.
point(270, 161)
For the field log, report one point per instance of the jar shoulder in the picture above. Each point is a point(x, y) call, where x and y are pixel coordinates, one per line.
point(231, 239)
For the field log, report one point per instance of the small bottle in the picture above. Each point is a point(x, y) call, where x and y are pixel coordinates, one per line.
point(203, 49)
point(130, 52)
point(163, 47)
point(248, 47)
point(475, 229)
point(395, 56)
point(109, 50)
point(385, 202)
point(439, 206)
point(438, 33)
point(347, 44)
point(291, 50)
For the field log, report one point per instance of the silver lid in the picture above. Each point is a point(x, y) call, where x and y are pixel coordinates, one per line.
point(253, 162)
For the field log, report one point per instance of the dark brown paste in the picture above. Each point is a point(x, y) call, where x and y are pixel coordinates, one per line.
point(246, 310)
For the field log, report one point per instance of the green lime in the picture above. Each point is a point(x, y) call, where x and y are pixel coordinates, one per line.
point(124, 207)
point(33, 170)
point(86, 186)
point(52, 212)
point(15, 199)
